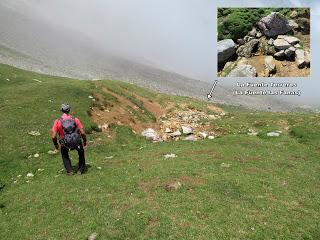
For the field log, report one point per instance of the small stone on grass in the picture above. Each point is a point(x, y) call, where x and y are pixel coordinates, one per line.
point(93, 236)
point(171, 155)
point(34, 133)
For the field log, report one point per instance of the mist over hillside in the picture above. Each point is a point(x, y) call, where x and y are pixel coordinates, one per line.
point(30, 39)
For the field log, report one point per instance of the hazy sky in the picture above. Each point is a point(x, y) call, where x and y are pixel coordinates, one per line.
point(175, 35)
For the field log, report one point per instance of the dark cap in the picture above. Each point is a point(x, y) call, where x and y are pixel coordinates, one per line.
point(65, 108)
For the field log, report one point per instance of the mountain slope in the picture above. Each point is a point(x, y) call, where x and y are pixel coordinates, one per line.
point(41, 46)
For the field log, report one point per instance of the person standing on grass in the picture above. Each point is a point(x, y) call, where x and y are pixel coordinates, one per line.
point(70, 131)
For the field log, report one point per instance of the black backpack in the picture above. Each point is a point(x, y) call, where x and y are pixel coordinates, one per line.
point(72, 138)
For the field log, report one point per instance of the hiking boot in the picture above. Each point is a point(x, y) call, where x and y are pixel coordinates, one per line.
point(69, 173)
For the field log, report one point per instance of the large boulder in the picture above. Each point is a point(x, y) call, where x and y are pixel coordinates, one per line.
point(293, 24)
point(247, 49)
point(243, 71)
point(281, 44)
point(274, 24)
point(270, 64)
point(290, 52)
point(280, 55)
point(226, 48)
point(290, 39)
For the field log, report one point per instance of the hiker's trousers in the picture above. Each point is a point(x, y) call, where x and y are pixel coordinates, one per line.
point(67, 161)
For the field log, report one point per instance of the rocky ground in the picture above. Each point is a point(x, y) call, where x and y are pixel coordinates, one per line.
point(275, 47)
point(158, 122)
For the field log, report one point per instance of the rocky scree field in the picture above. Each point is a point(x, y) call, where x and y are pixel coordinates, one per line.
point(264, 42)
point(258, 178)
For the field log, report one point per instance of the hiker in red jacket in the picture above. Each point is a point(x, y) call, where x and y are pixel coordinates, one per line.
point(70, 131)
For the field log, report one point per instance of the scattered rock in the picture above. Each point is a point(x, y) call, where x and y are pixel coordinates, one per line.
point(190, 138)
point(293, 24)
point(211, 137)
point(290, 52)
point(150, 134)
point(34, 133)
point(225, 165)
point(252, 132)
point(171, 155)
point(53, 152)
point(247, 49)
point(273, 24)
point(104, 126)
point(175, 134)
point(186, 130)
point(270, 42)
point(30, 175)
point(247, 38)
point(273, 134)
point(241, 41)
point(293, 14)
point(270, 50)
point(91, 97)
point(172, 186)
point(93, 236)
point(36, 155)
point(40, 169)
point(253, 32)
point(168, 130)
point(281, 44)
point(243, 71)
point(109, 157)
point(270, 64)
point(203, 135)
point(99, 168)
point(226, 48)
point(19, 176)
point(297, 45)
point(280, 55)
point(258, 35)
point(300, 58)
point(290, 39)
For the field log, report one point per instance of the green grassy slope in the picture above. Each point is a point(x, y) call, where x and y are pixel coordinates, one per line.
point(233, 187)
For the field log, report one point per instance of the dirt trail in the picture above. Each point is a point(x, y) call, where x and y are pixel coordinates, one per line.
point(121, 114)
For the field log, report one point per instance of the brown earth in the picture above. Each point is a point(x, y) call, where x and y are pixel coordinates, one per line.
point(124, 112)
point(284, 68)
point(121, 115)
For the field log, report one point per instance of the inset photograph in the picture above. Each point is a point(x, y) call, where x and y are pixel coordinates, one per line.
point(263, 42)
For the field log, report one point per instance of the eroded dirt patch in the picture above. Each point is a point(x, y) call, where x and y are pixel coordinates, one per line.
point(123, 107)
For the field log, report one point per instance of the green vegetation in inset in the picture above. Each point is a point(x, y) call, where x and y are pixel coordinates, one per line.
point(235, 23)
